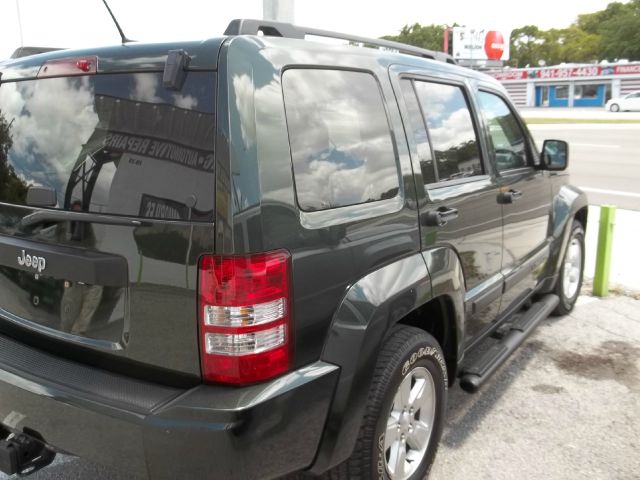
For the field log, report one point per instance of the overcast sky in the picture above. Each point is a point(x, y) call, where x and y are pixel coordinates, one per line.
point(81, 23)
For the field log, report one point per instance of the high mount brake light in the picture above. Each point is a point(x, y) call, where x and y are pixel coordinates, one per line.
point(244, 305)
point(65, 67)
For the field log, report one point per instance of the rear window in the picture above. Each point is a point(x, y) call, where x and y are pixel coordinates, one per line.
point(117, 144)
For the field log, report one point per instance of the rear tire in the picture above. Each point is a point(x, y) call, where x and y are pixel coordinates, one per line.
point(405, 412)
point(571, 271)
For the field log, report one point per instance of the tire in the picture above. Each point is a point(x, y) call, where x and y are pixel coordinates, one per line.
point(571, 271)
point(410, 359)
point(614, 107)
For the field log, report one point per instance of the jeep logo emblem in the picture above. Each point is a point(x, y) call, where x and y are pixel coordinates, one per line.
point(37, 263)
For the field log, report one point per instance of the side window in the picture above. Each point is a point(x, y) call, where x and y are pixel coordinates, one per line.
point(341, 144)
point(507, 138)
point(420, 136)
point(450, 127)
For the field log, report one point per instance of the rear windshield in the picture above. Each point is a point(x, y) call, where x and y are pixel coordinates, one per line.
point(118, 144)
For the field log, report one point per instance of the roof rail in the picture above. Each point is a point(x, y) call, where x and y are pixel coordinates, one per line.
point(281, 29)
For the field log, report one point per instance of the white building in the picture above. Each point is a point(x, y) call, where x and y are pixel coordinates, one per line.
point(569, 85)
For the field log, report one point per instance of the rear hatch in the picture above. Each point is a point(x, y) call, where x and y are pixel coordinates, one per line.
point(106, 204)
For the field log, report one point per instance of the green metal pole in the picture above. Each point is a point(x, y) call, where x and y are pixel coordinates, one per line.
point(603, 254)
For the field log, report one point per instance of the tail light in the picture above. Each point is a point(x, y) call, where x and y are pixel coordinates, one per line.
point(245, 318)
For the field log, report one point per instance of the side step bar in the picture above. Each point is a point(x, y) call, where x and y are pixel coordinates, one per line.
point(474, 375)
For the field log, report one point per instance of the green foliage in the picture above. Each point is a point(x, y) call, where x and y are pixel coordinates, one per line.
point(620, 31)
point(608, 34)
point(12, 187)
point(425, 36)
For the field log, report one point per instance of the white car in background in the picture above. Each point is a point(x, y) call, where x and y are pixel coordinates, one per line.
point(630, 101)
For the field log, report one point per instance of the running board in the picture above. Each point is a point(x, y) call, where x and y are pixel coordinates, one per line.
point(475, 374)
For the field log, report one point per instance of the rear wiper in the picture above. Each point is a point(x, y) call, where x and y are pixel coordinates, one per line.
point(48, 216)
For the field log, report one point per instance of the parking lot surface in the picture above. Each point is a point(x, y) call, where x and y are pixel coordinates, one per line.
point(565, 406)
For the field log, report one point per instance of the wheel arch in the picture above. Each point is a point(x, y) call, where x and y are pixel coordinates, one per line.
point(568, 204)
point(400, 292)
point(437, 317)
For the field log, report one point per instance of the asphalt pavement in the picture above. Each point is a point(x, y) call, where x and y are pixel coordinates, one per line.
point(565, 406)
point(604, 158)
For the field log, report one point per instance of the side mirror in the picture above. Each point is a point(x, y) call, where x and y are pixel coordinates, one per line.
point(555, 155)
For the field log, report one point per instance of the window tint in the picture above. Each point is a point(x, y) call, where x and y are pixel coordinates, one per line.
point(118, 144)
point(340, 139)
point(417, 125)
point(451, 131)
point(507, 138)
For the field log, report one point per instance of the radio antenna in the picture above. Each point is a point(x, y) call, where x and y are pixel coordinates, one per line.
point(122, 35)
point(19, 23)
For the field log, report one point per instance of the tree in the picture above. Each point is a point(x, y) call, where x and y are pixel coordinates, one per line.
point(618, 27)
point(425, 36)
point(620, 31)
point(580, 45)
point(609, 34)
point(526, 46)
point(12, 188)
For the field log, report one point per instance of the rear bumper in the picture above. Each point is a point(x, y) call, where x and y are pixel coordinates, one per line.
point(262, 431)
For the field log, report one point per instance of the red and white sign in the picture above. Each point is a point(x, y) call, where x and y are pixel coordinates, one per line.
point(494, 45)
point(510, 75)
point(480, 44)
point(559, 73)
point(627, 69)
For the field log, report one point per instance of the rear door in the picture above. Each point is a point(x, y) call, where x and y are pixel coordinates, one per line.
point(525, 194)
point(456, 178)
point(106, 203)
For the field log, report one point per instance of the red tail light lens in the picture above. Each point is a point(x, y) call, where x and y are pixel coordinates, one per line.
point(245, 318)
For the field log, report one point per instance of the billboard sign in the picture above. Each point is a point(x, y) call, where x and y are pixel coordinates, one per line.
point(480, 44)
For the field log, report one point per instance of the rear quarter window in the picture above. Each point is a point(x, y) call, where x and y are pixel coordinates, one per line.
point(341, 145)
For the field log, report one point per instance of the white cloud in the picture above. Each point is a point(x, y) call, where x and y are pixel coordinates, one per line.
point(52, 119)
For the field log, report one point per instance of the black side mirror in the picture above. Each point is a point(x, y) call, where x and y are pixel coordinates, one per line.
point(555, 155)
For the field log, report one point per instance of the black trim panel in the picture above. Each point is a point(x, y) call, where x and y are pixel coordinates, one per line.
point(97, 385)
point(68, 263)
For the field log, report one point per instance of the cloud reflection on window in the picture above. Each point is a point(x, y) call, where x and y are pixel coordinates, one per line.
point(451, 130)
point(51, 121)
point(340, 139)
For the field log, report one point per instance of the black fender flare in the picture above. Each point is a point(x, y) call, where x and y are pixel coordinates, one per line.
point(566, 204)
point(370, 307)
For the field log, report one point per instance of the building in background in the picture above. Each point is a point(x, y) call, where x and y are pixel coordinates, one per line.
point(569, 85)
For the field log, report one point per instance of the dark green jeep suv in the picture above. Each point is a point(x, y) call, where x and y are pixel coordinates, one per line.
point(258, 255)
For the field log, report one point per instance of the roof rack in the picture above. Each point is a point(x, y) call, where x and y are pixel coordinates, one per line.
point(281, 29)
